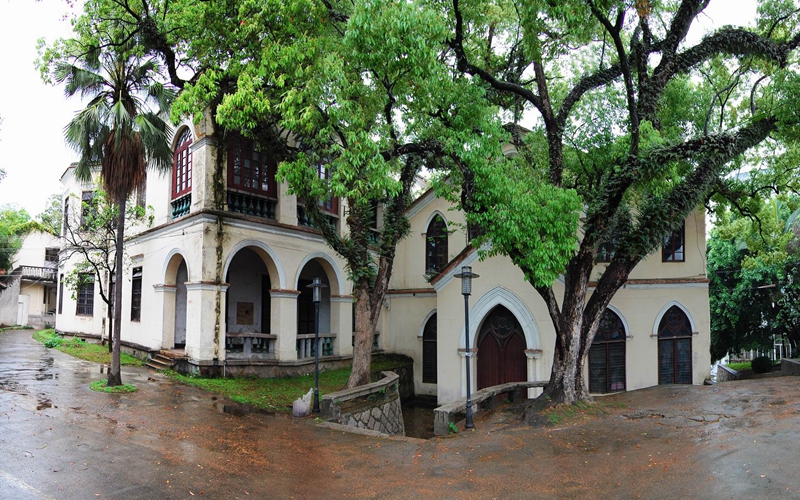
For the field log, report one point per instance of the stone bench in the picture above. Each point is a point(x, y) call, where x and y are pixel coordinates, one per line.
point(488, 398)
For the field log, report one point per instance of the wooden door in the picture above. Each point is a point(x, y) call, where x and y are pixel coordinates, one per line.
point(501, 350)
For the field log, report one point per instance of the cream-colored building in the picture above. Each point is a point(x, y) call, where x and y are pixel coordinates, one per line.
point(222, 276)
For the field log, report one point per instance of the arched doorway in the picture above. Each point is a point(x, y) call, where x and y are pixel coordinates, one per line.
point(305, 311)
point(501, 349)
point(248, 311)
point(181, 277)
point(607, 355)
point(429, 362)
point(175, 302)
point(674, 348)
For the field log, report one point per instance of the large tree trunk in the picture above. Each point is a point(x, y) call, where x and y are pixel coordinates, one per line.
point(115, 374)
point(366, 316)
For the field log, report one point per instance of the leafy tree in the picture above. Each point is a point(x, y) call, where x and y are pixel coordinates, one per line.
point(119, 130)
point(14, 224)
point(53, 215)
point(90, 236)
point(633, 120)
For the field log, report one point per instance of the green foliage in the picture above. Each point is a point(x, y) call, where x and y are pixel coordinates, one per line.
point(81, 349)
point(53, 215)
point(761, 364)
point(452, 428)
point(739, 366)
point(14, 224)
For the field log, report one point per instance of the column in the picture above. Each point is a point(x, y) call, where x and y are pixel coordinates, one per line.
point(205, 321)
point(342, 324)
point(284, 323)
point(286, 211)
point(533, 370)
point(165, 322)
point(472, 357)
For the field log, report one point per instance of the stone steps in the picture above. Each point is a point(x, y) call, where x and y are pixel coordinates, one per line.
point(160, 362)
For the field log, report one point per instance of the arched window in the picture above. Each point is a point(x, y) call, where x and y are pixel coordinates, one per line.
point(429, 366)
point(182, 165)
point(674, 348)
point(607, 355)
point(436, 245)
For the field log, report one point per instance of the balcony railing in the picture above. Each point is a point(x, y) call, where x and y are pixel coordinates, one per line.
point(305, 345)
point(181, 206)
point(240, 345)
point(37, 273)
point(303, 219)
point(248, 204)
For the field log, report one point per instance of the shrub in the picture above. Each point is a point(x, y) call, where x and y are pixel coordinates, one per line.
point(761, 364)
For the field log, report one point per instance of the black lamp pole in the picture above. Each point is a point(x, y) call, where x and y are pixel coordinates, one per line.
point(317, 287)
point(466, 276)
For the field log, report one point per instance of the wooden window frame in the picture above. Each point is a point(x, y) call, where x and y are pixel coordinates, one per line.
point(674, 246)
point(436, 245)
point(85, 296)
point(429, 364)
point(88, 206)
point(331, 205)
point(604, 340)
point(182, 165)
point(243, 150)
point(606, 251)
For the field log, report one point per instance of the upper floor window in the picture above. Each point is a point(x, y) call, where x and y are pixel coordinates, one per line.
point(249, 168)
point(182, 165)
point(332, 203)
point(88, 208)
point(674, 244)
point(85, 295)
point(51, 255)
point(66, 214)
point(436, 245)
point(606, 250)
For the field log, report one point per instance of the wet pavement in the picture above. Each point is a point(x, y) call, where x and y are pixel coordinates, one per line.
point(58, 439)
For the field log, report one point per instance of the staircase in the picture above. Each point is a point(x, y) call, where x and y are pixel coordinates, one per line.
point(164, 360)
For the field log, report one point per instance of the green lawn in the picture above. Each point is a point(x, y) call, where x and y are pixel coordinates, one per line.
point(739, 366)
point(277, 394)
point(81, 349)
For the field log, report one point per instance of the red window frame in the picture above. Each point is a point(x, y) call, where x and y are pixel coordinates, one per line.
point(331, 205)
point(182, 165)
point(250, 169)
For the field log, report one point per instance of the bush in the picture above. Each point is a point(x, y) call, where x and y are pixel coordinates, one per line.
point(761, 364)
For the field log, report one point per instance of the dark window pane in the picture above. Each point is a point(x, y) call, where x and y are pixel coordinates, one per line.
point(429, 362)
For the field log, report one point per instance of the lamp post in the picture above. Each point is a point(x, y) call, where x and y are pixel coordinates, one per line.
point(316, 287)
point(466, 276)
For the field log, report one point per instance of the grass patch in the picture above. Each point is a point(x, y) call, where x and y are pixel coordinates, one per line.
point(562, 413)
point(277, 394)
point(81, 349)
point(15, 327)
point(101, 386)
point(739, 366)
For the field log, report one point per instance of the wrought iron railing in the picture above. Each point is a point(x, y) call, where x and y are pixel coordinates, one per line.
point(248, 204)
point(181, 206)
point(305, 345)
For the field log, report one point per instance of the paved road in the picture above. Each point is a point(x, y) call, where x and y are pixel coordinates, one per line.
point(60, 440)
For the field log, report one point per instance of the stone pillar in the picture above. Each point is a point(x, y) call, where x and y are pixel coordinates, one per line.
point(473, 357)
point(342, 324)
point(202, 320)
point(533, 370)
point(283, 323)
point(204, 164)
point(286, 211)
point(165, 321)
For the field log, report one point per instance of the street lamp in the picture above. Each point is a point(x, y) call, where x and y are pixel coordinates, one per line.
point(317, 285)
point(466, 276)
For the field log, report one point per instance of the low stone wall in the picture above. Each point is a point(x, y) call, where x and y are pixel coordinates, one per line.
point(790, 366)
point(725, 374)
point(406, 374)
point(488, 398)
point(374, 406)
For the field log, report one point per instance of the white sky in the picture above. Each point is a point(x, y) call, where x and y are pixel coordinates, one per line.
point(32, 149)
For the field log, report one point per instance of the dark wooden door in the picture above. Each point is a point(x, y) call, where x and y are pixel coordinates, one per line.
point(674, 348)
point(501, 350)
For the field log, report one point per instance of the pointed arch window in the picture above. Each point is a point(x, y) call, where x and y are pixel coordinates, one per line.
point(429, 364)
point(436, 245)
point(673, 248)
point(182, 165)
point(674, 348)
point(607, 355)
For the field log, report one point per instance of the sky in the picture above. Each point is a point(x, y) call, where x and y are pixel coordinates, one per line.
point(32, 149)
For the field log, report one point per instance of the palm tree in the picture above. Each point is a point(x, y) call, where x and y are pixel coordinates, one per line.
point(120, 129)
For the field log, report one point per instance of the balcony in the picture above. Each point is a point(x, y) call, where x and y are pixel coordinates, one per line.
point(248, 204)
point(181, 206)
point(37, 273)
point(304, 219)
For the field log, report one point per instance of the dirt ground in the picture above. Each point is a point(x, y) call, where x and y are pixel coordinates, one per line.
point(60, 440)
